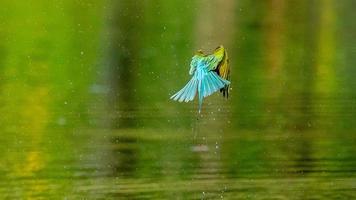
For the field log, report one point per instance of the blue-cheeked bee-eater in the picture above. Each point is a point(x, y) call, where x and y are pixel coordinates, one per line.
point(210, 73)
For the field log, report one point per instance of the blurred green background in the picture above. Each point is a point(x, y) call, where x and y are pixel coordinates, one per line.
point(85, 110)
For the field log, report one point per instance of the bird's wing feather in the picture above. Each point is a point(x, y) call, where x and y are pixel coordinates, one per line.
point(220, 64)
point(194, 63)
point(215, 59)
point(223, 68)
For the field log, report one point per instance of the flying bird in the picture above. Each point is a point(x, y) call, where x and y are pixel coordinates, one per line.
point(210, 73)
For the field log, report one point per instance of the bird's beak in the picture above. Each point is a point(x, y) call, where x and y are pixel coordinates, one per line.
point(219, 47)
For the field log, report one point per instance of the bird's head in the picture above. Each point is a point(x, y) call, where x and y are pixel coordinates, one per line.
point(219, 50)
point(219, 47)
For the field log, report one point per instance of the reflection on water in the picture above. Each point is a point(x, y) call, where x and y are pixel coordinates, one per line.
point(85, 110)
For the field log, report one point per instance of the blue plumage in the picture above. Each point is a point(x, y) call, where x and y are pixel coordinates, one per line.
point(205, 78)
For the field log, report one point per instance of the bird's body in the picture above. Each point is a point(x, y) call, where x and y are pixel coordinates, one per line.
point(210, 73)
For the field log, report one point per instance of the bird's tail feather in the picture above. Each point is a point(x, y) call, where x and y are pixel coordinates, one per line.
point(187, 93)
point(209, 84)
point(205, 85)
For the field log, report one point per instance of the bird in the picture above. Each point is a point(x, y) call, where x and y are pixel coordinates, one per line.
point(210, 73)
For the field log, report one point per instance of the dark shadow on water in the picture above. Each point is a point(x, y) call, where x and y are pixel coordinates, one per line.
point(125, 155)
point(124, 32)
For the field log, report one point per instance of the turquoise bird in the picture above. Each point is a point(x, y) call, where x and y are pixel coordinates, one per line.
point(210, 73)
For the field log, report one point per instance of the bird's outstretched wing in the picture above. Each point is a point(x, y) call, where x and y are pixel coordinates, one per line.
point(219, 62)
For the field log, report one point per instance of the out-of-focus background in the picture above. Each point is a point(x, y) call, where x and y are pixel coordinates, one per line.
point(85, 110)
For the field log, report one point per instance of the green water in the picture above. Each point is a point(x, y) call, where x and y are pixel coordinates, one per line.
point(85, 110)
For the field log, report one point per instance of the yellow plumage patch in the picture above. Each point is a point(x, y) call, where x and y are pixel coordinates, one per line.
point(223, 68)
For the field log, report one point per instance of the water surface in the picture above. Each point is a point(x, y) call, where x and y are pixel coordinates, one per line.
point(85, 109)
